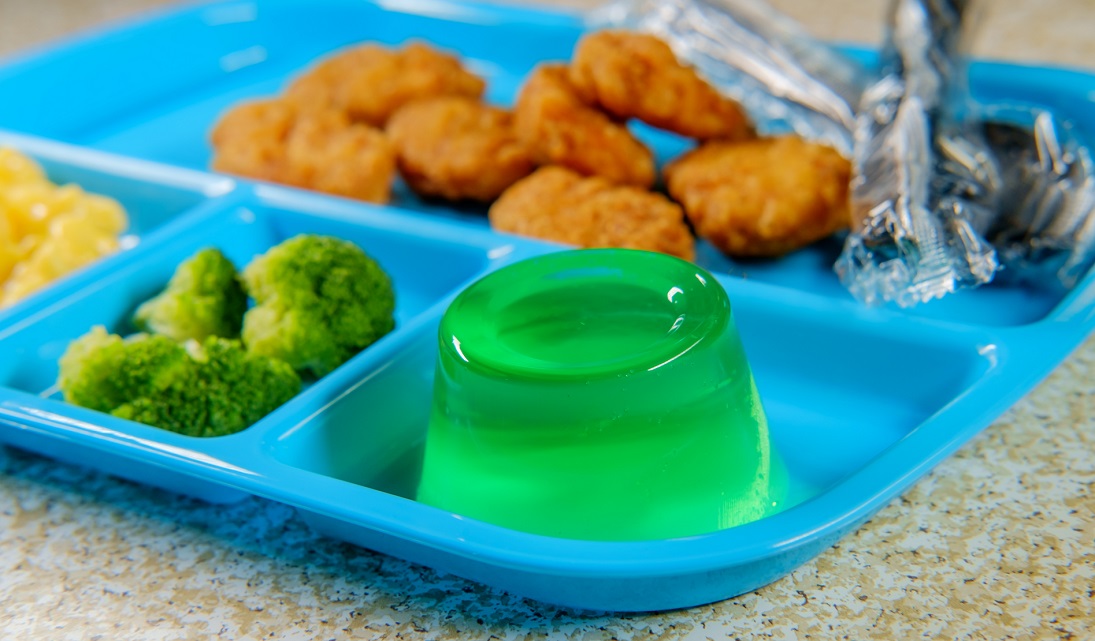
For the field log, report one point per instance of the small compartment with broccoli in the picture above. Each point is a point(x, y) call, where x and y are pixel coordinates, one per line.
point(251, 306)
point(205, 363)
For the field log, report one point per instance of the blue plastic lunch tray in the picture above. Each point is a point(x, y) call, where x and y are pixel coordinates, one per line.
point(861, 401)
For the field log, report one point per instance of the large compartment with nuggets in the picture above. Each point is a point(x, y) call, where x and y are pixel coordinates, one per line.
point(861, 402)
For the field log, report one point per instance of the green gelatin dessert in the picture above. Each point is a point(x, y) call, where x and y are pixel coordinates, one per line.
point(599, 395)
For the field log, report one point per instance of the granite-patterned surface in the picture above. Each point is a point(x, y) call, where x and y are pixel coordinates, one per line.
point(997, 543)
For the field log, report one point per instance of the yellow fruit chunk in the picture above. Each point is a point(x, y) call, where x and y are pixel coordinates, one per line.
point(47, 231)
point(30, 207)
point(17, 169)
point(74, 240)
point(8, 249)
point(105, 213)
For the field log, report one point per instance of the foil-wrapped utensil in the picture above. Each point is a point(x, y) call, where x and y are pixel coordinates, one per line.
point(1044, 232)
point(923, 190)
point(949, 194)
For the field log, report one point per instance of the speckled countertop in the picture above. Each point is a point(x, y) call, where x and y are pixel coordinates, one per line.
point(997, 542)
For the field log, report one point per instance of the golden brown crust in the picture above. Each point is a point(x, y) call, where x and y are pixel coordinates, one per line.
point(321, 150)
point(634, 75)
point(458, 148)
point(249, 139)
point(560, 129)
point(560, 205)
point(370, 82)
point(762, 197)
point(328, 153)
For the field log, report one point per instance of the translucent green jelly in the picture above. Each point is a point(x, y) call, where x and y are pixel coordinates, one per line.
point(597, 394)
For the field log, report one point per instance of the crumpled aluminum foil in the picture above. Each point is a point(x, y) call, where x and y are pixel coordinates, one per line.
point(923, 189)
point(946, 195)
point(949, 195)
point(785, 78)
point(1044, 233)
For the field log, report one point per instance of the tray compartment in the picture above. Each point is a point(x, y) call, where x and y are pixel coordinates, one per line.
point(826, 428)
point(829, 409)
point(374, 434)
point(426, 265)
point(424, 269)
point(839, 390)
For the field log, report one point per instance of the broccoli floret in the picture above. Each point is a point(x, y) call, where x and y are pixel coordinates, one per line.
point(218, 389)
point(318, 301)
point(179, 408)
point(241, 387)
point(203, 298)
point(101, 370)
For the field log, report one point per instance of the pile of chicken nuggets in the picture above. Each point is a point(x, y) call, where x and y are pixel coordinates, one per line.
point(562, 164)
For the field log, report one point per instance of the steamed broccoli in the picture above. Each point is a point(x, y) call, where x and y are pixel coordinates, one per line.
point(241, 387)
point(179, 408)
point(215, 388)
point(318, 301)
point(101, 371)
point(204, 298)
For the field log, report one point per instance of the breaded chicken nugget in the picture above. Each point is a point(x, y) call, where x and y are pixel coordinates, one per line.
point(328, 153)
point(249, 139)
point(370, 82)
point(560, 129)
point(634, 75)
point(458, 148)
point(272, 140)
point(763, 197)
point(557, 204)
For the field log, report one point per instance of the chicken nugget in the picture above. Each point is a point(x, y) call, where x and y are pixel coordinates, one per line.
point(763, 197)
point(322, 150)
point(458, 148)
point(249, 139)
point(560, 129)
point(370, 82)
point(560, 205)
point(635, 75)
point(326, 152)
